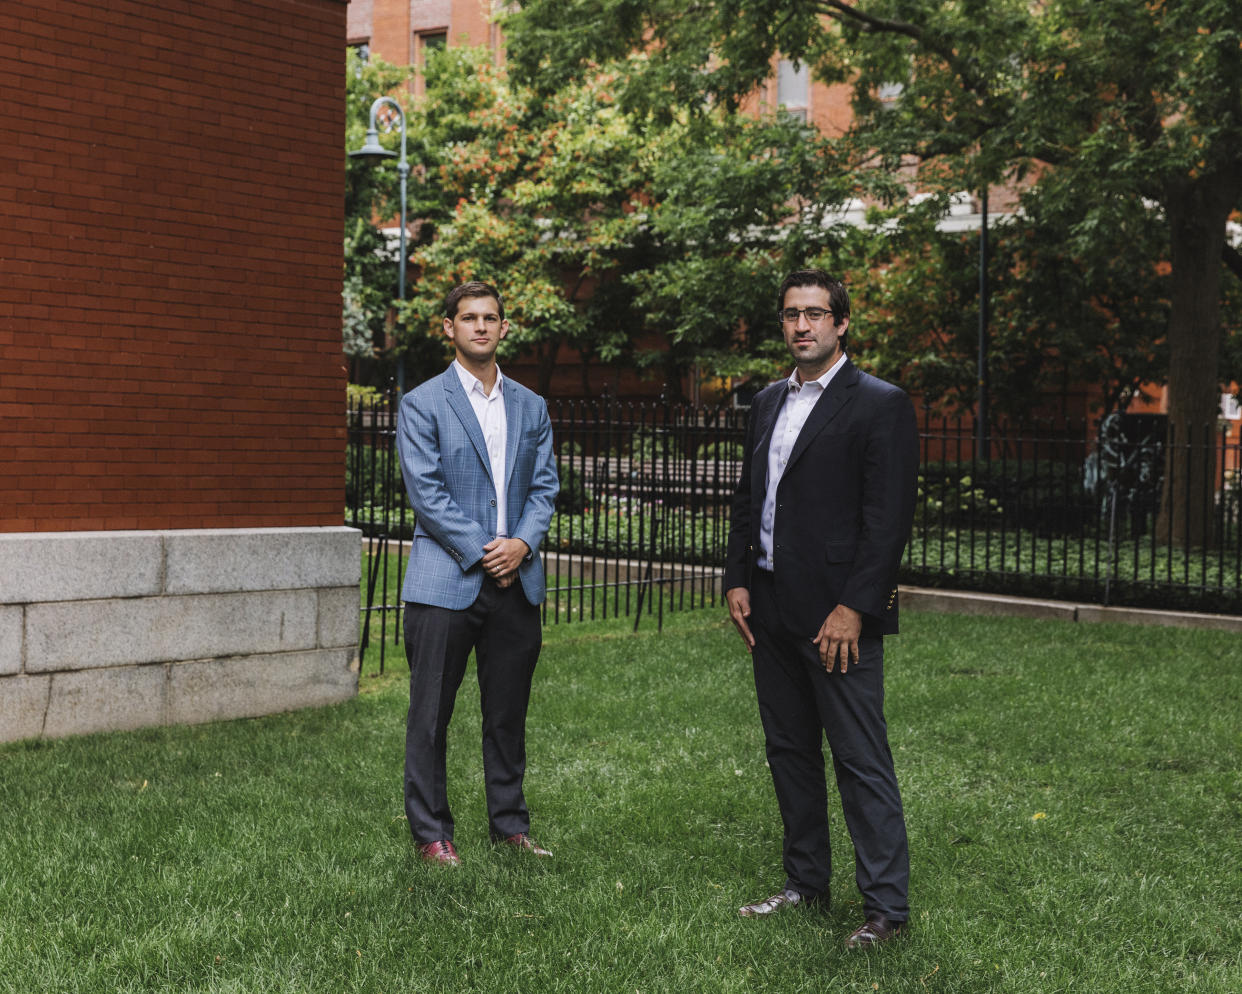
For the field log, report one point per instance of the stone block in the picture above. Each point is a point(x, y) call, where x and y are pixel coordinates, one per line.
point(106, 700)
point(23, 703)
point(249, 686)
point(234, 559)
point(85, 634)
point(1171, 619)
point(10, 639)
point(962, 602)
point(60, 566)
point(339, 614)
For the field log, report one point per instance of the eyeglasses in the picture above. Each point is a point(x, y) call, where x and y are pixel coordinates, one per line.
point(813, 314)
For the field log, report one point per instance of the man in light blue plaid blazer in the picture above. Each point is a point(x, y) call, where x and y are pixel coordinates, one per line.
point(476, 454)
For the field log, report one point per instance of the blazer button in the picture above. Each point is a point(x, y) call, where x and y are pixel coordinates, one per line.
point(493, 503)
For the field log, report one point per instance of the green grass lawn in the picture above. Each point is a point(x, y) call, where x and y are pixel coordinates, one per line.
point(1073, 794)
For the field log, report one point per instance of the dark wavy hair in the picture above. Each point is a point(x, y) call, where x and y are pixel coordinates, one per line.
point(838, 296)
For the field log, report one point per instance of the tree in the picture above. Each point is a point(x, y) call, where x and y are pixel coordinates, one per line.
point(600, 226)
point(1125, 100)
point(734, 202)
point(1062, 318)
point(529, 195)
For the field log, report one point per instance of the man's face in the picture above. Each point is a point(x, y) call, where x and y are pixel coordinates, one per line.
point(814, 345)
point(476, 329)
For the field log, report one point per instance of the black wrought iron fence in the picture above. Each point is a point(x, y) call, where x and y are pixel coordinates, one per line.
point(1067, 510)
point(1124, 512)
point(642, 518)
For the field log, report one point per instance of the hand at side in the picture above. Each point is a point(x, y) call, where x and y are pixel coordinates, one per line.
point(838, 637)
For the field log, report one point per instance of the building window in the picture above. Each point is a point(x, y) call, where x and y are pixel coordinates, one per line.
point(793, 88)
point(428, 42)
point(362, 49)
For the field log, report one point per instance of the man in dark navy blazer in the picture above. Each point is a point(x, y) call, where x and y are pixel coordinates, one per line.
point(820, 518)
point(476, 455)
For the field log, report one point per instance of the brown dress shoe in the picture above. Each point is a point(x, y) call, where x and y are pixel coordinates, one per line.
point(775, 903)
point(873, 931)
point(441, 851)
point(524, 841)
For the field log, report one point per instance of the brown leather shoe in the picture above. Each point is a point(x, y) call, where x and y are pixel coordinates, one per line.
point(441, 851)
point(524, 841)
point(873, 931)
point(777, 902)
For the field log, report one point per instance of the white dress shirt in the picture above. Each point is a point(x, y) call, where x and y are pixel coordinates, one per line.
point(490, 410)
point(799, 399)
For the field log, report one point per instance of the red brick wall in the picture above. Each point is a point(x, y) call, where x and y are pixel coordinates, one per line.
point(359, 16)
point(171, 181)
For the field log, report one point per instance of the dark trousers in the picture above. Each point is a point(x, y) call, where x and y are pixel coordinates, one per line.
point(799, 702)
point(503, 629)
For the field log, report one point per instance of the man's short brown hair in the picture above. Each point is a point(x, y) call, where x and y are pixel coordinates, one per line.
point(474, 288)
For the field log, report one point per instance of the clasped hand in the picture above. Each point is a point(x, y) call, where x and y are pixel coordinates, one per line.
point(502, 557)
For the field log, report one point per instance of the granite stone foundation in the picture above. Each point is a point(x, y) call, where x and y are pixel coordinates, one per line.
point(101, 631)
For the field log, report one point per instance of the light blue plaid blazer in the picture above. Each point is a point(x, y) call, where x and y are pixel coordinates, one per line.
point(448, 478)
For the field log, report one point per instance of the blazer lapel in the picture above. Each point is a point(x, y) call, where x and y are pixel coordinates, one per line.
point(839, 393)
point(460, 405)
point(765, 421)
point(513, 430)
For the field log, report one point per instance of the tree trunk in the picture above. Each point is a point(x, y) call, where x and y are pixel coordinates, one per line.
point(546, 354)
point(1197, 213)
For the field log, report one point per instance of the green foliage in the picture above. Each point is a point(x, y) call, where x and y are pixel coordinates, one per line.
point(944, 498)
point(574, 496)
point(532, 196)
point(598, 226)
point(720, 449)
point(1063, 312)
point(1231, 498)
point(372, 478)
point(736, 202)
point(651, 445)
point(1121, 125)
point(370, 279)
point(364, 397)
point(1023, 562)
point(1044, 495)
point(640, 532)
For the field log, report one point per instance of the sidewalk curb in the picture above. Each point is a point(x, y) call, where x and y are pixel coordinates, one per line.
point(1002, 605)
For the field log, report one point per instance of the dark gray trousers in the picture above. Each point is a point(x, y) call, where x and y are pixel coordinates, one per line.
point(799, 702)
point(503, 629)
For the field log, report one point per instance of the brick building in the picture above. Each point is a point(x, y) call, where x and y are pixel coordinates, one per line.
point(171, 381)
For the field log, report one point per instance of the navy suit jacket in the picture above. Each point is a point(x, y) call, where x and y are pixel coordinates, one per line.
point(448, 478)
point(844, 505)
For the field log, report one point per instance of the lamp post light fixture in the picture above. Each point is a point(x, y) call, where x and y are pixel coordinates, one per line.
point(372, 152)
